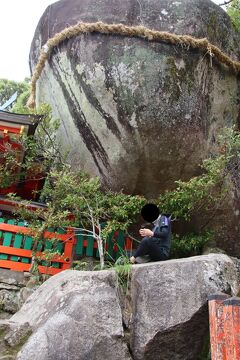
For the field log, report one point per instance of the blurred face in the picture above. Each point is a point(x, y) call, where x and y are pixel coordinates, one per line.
point(150, 212)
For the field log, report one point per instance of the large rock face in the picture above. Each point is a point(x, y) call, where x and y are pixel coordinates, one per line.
point(74, 315)
point(138, 114)
point(141, 114)
point(170, 314)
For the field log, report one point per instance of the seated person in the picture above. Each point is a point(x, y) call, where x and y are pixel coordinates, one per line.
point(155, 245)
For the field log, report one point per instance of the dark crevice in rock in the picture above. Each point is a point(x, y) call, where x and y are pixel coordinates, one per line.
point(119, 98)
point(238, 119)
point(127, 339)
point(175, 342)
point(125, 302)
point(92, 99)
point(91, 141)
point(102, 55)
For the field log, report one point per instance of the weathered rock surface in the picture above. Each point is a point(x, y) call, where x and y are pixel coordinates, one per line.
point(130, 107)
point(12, 337)
point(169, 299)
point(15, 288)
point(74, 315)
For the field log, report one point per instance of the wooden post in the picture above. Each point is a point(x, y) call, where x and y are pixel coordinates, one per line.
point(231, 314)
point(217, 342)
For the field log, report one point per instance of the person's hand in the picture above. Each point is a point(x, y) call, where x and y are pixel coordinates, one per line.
point(146, 232)
point(132, 259)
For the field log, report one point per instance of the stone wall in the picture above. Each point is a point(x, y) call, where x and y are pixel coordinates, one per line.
point(15, 287)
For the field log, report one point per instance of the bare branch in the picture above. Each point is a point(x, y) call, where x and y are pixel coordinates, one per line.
point(226, 3)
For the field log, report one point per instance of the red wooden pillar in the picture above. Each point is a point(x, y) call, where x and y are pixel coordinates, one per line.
point(231, 314)
point(68, 249)
point(216, 326)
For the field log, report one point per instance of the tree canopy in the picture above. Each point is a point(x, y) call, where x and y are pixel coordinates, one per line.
point(233, 10)
point(9, 87)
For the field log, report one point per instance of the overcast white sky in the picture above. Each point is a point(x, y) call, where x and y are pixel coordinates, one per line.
point(18, 22)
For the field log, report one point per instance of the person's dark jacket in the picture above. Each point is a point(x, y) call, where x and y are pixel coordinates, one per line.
point(162, 232)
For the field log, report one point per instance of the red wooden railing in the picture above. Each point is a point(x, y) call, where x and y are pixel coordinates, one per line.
point(16, 244)
point(16, 247)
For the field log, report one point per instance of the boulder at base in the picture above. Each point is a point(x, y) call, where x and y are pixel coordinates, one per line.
point(74, 315)
point(170, 312)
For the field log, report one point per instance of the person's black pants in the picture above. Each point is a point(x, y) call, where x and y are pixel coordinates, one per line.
point(151, 246)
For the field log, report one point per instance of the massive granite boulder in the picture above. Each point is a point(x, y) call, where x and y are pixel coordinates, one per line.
point(139, 114)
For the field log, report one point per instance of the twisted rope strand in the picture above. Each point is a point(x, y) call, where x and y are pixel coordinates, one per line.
point(132, 31)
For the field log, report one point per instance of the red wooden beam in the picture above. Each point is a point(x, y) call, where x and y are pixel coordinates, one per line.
point(16, 266)
point(28, 253)
point(50, 271)
point(12, 130)
point(13, 265)
point(216, 320)
point(28, 231)
point(231, 314)
point(11, 204)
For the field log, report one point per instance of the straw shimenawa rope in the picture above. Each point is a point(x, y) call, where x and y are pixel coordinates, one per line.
point(132, 31)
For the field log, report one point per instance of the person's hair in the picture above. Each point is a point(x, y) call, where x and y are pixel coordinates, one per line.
point(150, 212)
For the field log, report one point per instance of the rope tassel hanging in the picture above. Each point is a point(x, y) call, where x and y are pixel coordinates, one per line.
point(132, 31)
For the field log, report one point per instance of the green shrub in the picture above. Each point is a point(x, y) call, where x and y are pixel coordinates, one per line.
point(190, 244)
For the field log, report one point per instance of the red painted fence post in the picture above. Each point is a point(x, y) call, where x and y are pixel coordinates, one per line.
point(216, 326)
point(231, 314)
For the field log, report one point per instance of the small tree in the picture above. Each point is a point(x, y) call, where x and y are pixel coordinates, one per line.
point(75, 193)
point(74, 198)
point(40, 150)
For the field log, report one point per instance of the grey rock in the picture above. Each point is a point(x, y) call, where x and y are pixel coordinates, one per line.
point(9, 287)
point(15, 287)
point(17, 334)
point(5, 351)
point(12, 277)
point(74, 315)
point(114, 93)
point(4, 325)
point(130, 107)
point(4, 315)
point(77, 315)
point(24, 293)
point(27, 274)
point(8, 301)
point(212, 250)
point(169, 299)
point(32, 283)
